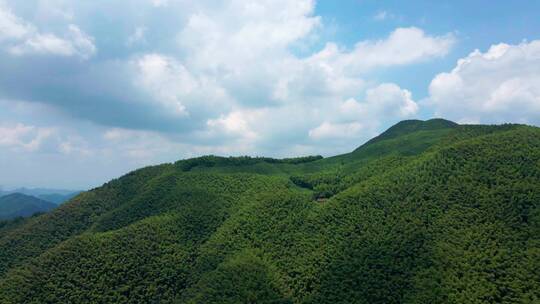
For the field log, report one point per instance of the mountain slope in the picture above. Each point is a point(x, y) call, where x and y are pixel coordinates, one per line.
point(18, 204)
point(432, 215)
point(410, 126)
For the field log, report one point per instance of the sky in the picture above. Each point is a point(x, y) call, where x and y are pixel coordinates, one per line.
point(90, 90)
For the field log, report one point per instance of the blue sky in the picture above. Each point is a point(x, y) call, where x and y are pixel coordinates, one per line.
point(477, 24)
point(90, 90)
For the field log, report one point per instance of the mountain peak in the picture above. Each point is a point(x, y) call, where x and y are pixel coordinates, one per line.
point(412, 125)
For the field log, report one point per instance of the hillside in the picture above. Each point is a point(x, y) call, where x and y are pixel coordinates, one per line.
point(21, 205)
point(427, 212)
point(411, 126)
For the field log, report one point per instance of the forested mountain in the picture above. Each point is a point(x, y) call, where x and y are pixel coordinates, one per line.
point(427, 212)
point(22, 205)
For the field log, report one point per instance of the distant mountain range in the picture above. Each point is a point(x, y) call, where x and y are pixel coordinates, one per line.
point(22, 205)
point(57, 196)
point(24, 202)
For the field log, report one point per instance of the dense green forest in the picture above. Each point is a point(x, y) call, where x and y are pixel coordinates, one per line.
point(427, 212)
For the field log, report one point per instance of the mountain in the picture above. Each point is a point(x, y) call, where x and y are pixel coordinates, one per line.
point(21, 205)
point(429, 212)
point(411, 126)
point(57, 196)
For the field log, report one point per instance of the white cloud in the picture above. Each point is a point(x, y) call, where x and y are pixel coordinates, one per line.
point(242, 52)
point(233, 36)
point(390, 100)
point(178, 89)
point(43, 44)
point(500, 85)
point(237, 123)
point(245, 49)
point(75, 43)
point(221, 77)
point(329, 130)
point(167, 79)
point(29, 138)
point(402, 46)
point(19, 37)
point(12, 27)
point(236, 57)
point(82, 43)
point(382, 103)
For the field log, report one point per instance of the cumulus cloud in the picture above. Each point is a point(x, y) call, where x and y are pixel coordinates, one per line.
point(76, 43)
point(167, 79)
point(385, 102)
point(181, 78)
point(402, 46)
point(25, 137)
point(246, 50)
point(19, 37)
point(235, 34)
point(388, 99)
point(237, 123)
point(12, 27)
point(499, 85)
point(329, 130)
point(230, 57)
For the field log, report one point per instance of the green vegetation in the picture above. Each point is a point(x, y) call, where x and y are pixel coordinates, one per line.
point(428, 212)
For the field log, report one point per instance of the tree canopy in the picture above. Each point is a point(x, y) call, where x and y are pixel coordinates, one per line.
point(431, 212)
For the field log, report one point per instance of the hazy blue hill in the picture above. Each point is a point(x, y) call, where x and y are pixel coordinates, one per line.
point(21, 205)
point(430, 212)
point(57, 196)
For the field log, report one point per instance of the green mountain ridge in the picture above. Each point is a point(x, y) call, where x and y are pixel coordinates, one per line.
point(409, 126)
point(427, 212)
